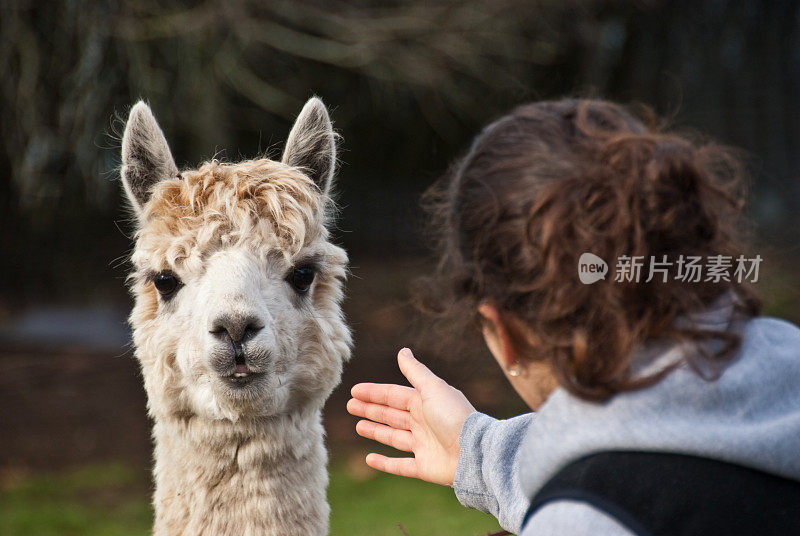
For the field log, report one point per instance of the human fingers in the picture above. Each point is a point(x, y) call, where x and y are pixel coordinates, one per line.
point(398, 439)
point(416, 373)
point(395, 396)
point(379, 413)
point(396, 466)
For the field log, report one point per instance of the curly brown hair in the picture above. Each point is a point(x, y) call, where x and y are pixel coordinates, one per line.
point(553, 180)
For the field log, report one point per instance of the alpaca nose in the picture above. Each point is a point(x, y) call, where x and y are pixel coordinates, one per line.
point(235, 327)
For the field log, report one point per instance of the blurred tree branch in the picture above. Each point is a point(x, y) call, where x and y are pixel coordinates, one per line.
point(69, 65)
point(228, 70)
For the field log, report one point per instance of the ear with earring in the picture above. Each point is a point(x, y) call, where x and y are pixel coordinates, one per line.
point(497, 339)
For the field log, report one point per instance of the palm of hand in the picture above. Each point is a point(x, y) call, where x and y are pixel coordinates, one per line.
point(425, 419)
point(438, 419)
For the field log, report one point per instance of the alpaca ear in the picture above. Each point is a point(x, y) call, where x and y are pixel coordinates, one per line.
point(312, 144)
point(146, 158)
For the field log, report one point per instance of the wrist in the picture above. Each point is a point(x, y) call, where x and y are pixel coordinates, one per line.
point(469, 439)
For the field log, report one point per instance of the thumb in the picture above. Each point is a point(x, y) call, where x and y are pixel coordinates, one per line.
point(416, 373)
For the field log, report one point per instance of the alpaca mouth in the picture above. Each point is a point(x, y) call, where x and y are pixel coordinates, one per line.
point(242, 375)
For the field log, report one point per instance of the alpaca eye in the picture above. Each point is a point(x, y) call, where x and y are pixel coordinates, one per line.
point(301, 278)
point(166, 283)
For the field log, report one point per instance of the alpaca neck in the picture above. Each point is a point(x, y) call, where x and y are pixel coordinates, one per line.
point(265, 476)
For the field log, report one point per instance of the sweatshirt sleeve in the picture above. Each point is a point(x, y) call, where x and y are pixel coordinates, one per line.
point(486, 476)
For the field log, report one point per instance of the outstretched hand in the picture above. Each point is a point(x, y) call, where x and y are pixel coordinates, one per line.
point(424, 419)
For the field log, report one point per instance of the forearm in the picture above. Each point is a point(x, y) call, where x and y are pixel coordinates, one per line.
point(486, 477)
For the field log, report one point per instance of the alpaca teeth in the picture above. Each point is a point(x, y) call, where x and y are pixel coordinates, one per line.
point(240, 375)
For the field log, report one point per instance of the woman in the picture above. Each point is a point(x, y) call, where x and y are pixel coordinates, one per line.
point(677, 408)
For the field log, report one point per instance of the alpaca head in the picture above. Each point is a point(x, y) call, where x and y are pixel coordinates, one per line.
point(237, 287)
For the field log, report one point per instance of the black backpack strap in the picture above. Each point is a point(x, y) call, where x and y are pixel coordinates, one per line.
point(657, 493)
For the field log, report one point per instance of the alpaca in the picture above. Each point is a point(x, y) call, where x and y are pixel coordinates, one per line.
point(238, 329)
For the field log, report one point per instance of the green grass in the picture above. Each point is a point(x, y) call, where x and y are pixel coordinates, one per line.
point(377, 505)
point(112, 500)
point(100, 499)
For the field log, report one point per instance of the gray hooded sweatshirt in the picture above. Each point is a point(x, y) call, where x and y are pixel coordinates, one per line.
point(750, 416)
